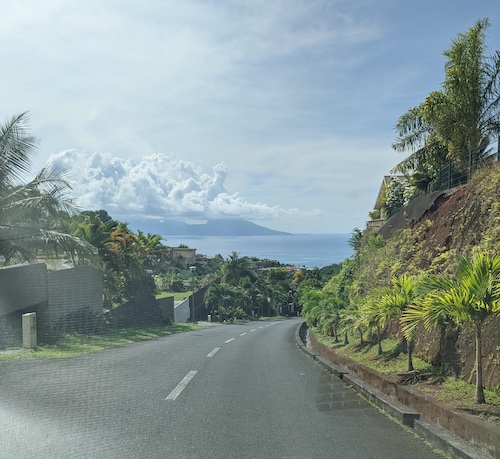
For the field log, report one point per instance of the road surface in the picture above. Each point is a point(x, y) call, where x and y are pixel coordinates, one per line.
point(225, 391)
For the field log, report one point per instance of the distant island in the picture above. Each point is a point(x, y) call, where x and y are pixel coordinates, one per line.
point(216, 227)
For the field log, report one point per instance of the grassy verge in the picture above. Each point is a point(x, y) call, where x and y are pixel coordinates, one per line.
point(178, 296)
point(457, 393)
point(71, 345)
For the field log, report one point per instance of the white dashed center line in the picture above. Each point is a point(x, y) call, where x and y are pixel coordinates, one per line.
point(253, 330)
point(229, 340)
point(213, 352)
point(243, 334)
point(181, 386)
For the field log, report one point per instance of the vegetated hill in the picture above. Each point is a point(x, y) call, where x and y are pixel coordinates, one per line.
point(458, 223)
point(216, 227)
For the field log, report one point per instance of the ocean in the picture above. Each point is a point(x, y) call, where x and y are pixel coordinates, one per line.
point(309, 250)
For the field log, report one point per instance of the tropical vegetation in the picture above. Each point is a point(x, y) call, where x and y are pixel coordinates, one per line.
point(435, 282)
point(29, 207)
point(457, 123)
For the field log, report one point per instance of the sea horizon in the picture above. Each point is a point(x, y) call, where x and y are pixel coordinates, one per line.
point(312, 250)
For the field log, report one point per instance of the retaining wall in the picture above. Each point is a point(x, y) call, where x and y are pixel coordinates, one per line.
point(479, 433)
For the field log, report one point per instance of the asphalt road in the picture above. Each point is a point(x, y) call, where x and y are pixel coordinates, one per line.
point(226, 391)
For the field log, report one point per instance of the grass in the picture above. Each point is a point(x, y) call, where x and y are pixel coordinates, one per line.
point(178, 296)
point(391, 361)
point(71, 345)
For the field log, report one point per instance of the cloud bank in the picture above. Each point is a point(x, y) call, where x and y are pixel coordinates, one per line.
point(157, 187)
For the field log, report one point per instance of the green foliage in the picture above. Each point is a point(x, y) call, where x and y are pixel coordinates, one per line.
point(394, 196)
point(28, 208)
point(355, 238)
point(456, 122)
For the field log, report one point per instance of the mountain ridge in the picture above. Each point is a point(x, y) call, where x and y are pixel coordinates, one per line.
point(213, 227)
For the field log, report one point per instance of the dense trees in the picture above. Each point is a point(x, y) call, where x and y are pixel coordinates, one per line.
point(130, 260)
point(248, 287)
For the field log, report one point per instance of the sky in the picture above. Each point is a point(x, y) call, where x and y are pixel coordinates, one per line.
point(281, 112)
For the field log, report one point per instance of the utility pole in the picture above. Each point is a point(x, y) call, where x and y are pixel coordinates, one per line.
point(193, 269)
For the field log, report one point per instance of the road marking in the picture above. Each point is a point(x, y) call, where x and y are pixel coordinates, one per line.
point(253, 330)
point(214, 351)
point(181, 386)
point(262, 326)
point(243, 334)
point(267, 325)
point(229, 340)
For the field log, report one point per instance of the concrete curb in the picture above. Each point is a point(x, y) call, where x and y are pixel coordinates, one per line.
point(434, 434)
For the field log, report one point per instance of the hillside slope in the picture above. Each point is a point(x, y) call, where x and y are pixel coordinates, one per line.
point(459, 223)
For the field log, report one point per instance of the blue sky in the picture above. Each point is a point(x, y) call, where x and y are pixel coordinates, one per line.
point(281, 112)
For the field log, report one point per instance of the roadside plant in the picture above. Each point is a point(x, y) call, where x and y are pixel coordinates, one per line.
point(393, 301)
point(469, 298)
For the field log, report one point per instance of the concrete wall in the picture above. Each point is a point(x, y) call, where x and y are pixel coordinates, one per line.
point(74, 294)
point(71, 290)
point(167, 308)
point(182, 311)
point(22, 286)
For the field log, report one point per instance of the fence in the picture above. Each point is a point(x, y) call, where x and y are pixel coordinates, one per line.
point(449, 177)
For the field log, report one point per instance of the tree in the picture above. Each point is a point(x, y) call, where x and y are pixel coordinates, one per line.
point(28, 210)
point(351, 321)
point(236, 267)
point(470, 298)
point(456, 122)
point(394, 300)
point(370, 314)
point(220, 299)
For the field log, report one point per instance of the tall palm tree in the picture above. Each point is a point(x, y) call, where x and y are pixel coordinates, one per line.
point(27, 210)
point(470, 298)
point(457, 122)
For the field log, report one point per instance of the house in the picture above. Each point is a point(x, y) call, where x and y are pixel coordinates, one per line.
point(183, 256)
point(379, 214)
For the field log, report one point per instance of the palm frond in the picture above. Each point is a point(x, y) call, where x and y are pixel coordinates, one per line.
point(16, 149)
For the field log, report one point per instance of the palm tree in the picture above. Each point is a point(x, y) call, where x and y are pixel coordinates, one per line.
point(371, 316)
point(28, 210)
point(457, 122)
point(152, 249)
point(394, 300)
point(236, 267)
point(471, 298)
point(220, 298)
point(351, 320)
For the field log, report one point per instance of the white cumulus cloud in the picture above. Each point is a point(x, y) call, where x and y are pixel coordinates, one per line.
point(157, 187)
